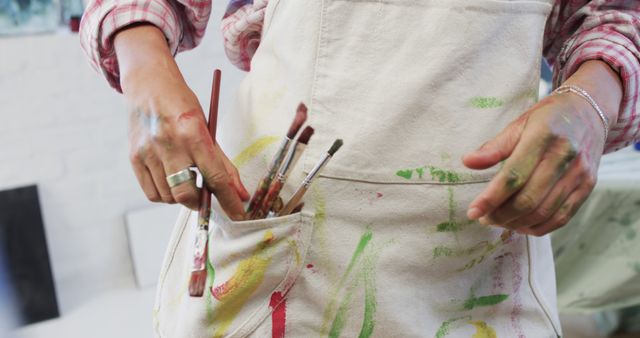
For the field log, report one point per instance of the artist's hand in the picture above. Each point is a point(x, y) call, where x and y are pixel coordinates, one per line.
point(168, 130)
point(551, 154)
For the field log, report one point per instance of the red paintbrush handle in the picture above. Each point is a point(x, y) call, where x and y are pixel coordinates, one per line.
point(204, 209)
point(213, 105)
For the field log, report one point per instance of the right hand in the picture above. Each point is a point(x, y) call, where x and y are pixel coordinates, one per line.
point(168, 130)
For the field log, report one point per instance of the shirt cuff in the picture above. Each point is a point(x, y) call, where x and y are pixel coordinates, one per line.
point(621, 55)
point(115, 15)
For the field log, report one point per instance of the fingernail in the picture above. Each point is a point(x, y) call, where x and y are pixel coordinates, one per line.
point(484, 221)
point(474, 213)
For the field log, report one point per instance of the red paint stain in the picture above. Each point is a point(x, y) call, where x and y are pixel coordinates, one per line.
point(279, 315)
point(188, 115)
point(378, 194)
point(221, 290)
point(309, 266)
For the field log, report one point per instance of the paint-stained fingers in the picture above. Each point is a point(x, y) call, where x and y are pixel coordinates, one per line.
point(513, 175)
point(562, 216)
point(235, 175)
point(156, 168)
point(209, 161)
point(146, 182)
point(555, 162)
point(554, 200)
point(496, 149)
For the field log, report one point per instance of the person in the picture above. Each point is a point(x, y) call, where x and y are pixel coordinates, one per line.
point(431, 220)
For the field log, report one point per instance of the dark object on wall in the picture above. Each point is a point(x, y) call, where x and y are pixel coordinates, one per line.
point(23, 244)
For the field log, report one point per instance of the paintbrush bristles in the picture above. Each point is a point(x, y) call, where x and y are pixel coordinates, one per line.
point(298, 121)
point(306, 134)
point(336, 145)
point(197, 283)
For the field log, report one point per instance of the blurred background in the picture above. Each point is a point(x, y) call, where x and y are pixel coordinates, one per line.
point(81, 247)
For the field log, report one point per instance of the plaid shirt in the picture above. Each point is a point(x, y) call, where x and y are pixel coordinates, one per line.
point(576, 31)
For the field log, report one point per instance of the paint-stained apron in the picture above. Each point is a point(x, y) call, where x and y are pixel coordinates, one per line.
point(382, 247)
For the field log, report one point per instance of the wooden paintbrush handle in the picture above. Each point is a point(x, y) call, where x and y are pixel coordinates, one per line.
point(293, 202)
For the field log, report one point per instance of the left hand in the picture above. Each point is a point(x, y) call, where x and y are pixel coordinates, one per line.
point(552, 153)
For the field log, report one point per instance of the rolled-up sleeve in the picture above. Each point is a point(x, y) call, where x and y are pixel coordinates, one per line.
point(182, 22)
point(606, 30)
point(242, 30)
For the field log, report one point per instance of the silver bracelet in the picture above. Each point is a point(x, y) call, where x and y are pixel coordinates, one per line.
point(583, 93)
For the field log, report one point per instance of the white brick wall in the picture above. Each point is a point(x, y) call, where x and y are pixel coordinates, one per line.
point(64, 129)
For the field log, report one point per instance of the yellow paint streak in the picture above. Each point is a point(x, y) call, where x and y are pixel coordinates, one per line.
point(294, 247)
point(253, 150)
point(483, 330)
point(244, 282)
point(320, 234)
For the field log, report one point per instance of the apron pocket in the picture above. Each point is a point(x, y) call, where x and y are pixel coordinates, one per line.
point(255, 262)
point(411, 86)
point(250, 264)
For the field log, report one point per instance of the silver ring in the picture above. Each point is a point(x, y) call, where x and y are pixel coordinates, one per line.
point(184, 175)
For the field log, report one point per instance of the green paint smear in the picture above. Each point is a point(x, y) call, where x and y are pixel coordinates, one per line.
point(444, 329)
point(370, 303)
point(474, 302)
point(442, 175)
point(405, 173)
point(448, 226)
point(211, 275)
point(441, 251)
point(452, 205)
point(368, 275)
point(339, 319)
point(485, 102)
point(341, 316)
point(489, 249)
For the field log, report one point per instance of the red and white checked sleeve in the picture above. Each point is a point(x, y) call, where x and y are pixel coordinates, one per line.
point(242, 30)
point(607, 30)
point(183, 22)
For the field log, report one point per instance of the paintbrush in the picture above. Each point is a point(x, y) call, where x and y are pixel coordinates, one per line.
point(293, 155)
point(256, 200)
point(199, 271)
point(297, 196)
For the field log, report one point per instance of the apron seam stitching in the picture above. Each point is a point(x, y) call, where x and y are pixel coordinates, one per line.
point(318, 53)
point(533, 289)
point(404, 183)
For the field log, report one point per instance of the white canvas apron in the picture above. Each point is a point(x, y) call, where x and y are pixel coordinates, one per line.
point(382, 247)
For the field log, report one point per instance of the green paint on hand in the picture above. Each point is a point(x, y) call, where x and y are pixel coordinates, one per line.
point(514, 179)
point(405, 173)
point(485, 102)
point(442, 175)
point(474, 302)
